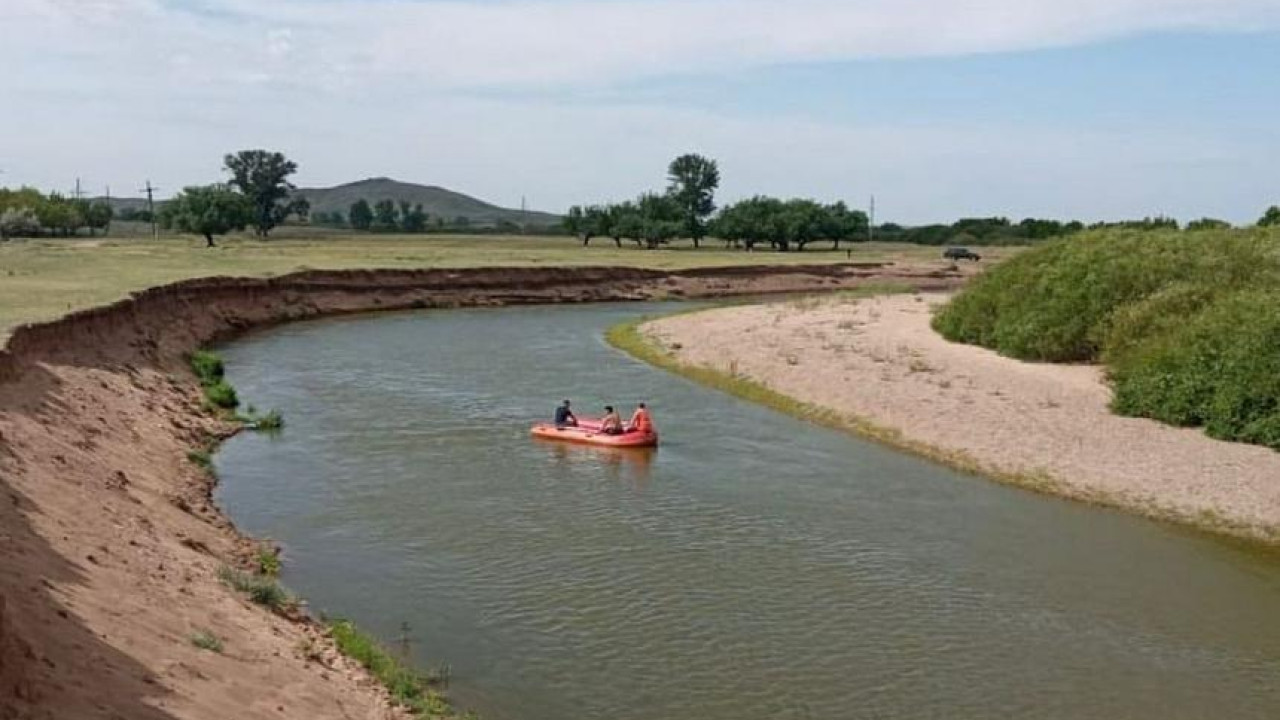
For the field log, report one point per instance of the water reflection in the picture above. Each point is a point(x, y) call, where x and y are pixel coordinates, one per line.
point(633, 465)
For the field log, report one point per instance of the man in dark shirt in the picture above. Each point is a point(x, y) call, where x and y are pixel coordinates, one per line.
point(565, 417)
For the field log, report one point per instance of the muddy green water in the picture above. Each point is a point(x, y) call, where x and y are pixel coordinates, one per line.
point(752, 567)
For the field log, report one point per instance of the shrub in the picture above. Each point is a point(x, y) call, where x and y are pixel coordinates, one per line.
point(1188, 324)
point(207, 366)
point(1057, 302)
point(210, 370)
point(1220, 369)
point(221, 395)
point(261, 590)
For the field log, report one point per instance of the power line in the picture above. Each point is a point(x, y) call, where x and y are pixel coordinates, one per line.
point(151, 207)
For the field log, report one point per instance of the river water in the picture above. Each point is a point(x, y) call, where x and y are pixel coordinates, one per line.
point(754, 566)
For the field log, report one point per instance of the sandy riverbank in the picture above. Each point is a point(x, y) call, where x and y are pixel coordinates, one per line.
point(109, 542)
point(1046, 426)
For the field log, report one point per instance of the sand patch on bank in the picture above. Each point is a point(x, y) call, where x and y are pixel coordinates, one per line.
point(879, 360)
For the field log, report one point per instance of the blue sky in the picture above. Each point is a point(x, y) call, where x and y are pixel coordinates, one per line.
point(941, 108)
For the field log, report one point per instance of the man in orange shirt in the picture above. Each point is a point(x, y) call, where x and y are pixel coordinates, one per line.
point(640, 421)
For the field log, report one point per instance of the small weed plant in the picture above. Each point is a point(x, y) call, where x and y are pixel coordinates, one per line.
point(262, 590)
point(206, 640)
point(267, 558)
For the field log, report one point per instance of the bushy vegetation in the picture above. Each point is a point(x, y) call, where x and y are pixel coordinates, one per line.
point(1187, 323)
point(267, 557)
point(407, 686)
point(210, 371)
point(29, 213)
point(261, 589)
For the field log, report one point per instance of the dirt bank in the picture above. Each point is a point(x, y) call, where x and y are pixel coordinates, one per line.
point(109, 542)
point(1046, 426)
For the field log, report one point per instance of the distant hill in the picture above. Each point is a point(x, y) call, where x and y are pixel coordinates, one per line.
point(438, 202)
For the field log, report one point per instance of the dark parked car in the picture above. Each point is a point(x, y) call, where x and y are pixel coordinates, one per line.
point(959, 253)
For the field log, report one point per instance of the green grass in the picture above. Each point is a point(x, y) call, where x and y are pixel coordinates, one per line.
point(1188, 324)
point(273, 421)
point(262, 590)
point(206, 640)
point(201, 458)
point(407, 686)
point(44, 279)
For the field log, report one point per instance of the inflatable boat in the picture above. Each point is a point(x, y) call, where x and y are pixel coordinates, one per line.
point(587, 432)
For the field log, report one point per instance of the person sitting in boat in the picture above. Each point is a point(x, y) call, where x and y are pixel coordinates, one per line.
point(565, 417)
point(640, 420)
point(611, 423)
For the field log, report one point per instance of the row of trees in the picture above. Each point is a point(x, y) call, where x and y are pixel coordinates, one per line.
point(382, 216)
point(258, 194)
point(27, 212)
point(687, 209)
point(655, 219)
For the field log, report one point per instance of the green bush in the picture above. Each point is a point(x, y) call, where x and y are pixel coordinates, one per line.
point(210, 370)
point(1220, 369)
point(1188, 323)
point(1057, 302)
point(207, 366)
point(221, 395)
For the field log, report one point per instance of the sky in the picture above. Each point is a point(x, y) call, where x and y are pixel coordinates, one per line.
point(1074, 109)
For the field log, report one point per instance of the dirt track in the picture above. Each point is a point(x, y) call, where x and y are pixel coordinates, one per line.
point(109, 542)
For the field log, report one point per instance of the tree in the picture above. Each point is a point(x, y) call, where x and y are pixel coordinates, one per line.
point(841, 223)
point(660, 219)
point(1271, 218)
point(693, 183)
point(385, 216)
point(575, 223)
point(263, 178)
point(209, 210)
point(18, 222)
point(1208, 223)
point(360, 215)
point(98, 216)
point(412, 219)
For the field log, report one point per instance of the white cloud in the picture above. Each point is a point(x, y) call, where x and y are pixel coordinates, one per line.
point(119, 90)
point(545, 42)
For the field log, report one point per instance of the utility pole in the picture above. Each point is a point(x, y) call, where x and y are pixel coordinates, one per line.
point(78, 194)
point(524, 216)
point(871, 221)
point(151, 208)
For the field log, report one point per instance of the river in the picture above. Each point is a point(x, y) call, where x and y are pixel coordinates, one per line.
point(754, 566)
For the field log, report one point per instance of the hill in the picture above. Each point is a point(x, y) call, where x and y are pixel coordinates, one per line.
point(438, 202)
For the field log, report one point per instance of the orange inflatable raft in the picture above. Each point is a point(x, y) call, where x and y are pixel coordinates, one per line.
point(587, 432)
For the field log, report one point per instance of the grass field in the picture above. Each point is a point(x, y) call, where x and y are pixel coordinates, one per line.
point(44, 279)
